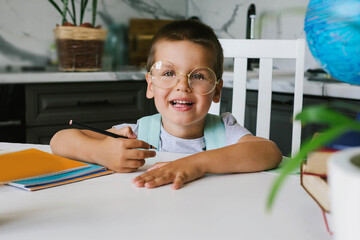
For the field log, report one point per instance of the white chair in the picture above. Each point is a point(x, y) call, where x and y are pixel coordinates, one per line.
point(266, 51)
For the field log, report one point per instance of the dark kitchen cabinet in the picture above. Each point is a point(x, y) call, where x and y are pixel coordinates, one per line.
point(281, 115)
point(12, 113)
point(48, 107)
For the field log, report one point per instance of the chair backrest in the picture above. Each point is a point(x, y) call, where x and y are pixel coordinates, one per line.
point(266, 51)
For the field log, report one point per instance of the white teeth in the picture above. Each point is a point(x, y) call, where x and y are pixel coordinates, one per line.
point(181, 102)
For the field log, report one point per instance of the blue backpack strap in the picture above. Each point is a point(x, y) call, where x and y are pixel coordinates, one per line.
point(214, 132)
point(149, 129)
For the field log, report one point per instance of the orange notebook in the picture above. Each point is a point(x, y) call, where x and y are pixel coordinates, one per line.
point(32, 162)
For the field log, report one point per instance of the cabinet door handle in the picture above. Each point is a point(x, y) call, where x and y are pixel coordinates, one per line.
point(100, 102)
point(287, 102)
point(10, 123)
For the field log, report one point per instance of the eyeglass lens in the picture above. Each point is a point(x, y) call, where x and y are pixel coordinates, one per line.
point(202, 80)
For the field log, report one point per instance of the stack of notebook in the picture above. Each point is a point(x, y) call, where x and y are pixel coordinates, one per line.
point(33, 169)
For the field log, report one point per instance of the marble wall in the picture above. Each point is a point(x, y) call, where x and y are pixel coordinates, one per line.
point(26, 25)
point(275, 19)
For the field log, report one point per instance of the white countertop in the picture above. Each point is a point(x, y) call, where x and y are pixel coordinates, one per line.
point(282, 82)
point(57, 77)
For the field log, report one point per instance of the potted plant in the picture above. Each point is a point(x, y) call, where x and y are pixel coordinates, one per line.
point(79, 45)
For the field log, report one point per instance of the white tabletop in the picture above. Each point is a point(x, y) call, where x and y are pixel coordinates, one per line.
point(110, 207)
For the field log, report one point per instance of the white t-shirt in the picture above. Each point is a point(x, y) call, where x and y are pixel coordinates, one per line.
point(169, 143)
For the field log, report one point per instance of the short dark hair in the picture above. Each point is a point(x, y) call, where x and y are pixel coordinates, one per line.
point(193, 31)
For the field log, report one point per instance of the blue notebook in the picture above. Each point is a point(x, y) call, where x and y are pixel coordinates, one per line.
point(37, 183)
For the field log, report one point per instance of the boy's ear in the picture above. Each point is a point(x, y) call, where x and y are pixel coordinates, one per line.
point(149, 89)
point(217, 94)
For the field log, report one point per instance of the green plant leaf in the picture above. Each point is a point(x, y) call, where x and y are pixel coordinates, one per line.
point(70, 13)
point(83, 4)
point(71, 16)
point(65, 7)
point(81, 11)
point(322, 114)
point(94, 8)
point(74, 11)
point(56, 7)
point(310, 145)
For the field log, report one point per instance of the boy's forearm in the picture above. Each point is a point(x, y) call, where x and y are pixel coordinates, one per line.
point(75, 145)
point(249, 156)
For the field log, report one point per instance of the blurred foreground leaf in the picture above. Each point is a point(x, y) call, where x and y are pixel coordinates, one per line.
point(338, 125)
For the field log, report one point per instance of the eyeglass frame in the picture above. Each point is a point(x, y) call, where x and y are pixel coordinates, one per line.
point(188, 77)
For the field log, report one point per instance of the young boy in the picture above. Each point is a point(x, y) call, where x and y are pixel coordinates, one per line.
point(185, 67)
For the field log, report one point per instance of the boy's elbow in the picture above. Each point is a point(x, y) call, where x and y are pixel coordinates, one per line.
point(54, 142)
point(276, 155)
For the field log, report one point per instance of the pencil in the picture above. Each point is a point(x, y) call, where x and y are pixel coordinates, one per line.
point(80, 125)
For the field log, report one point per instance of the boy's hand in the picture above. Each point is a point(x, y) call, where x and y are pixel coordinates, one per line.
point(177, 172)
point(157, 165)
point(123, 155)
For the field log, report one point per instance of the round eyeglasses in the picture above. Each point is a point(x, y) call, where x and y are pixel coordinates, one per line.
point(201, 80)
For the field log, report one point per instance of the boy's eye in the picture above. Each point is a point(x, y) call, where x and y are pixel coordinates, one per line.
point(198, 76)
point(169, 73)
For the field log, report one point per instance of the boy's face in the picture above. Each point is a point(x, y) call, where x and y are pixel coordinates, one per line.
point(179, 105)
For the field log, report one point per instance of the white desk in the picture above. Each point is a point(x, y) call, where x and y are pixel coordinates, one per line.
point(111, 207)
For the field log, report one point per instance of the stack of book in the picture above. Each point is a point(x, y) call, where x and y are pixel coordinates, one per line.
point(314, 171)
point(314, 180)
point(314, 176)
point(33, 169)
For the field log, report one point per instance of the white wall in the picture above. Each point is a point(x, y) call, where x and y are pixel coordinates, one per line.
point(276, 19)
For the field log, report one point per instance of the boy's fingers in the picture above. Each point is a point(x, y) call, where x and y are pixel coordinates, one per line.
point(126, 132)
point(145, 177)
point(139, 154)
point(152, 181)
point(134, 163)
point(178, 182)
point(139, 183)
point(159, 181)
point(135, 143)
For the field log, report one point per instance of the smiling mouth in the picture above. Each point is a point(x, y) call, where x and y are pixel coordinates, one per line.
point(181, 103)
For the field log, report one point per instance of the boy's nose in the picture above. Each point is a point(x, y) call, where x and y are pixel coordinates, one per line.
point(182, 82)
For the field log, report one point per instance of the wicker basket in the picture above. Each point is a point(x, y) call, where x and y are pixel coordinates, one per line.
point(79, 48)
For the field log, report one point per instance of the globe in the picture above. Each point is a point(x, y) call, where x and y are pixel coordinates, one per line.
point(332, 30)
